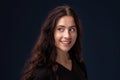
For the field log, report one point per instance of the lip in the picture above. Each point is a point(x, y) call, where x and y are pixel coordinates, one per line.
point(66, 43)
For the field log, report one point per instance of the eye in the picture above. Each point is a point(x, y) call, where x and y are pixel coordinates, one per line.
point(61, 29)
point(72, 29)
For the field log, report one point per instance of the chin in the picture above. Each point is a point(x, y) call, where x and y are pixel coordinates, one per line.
point(65, 50)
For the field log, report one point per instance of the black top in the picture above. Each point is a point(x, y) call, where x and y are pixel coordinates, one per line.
point(77, 72)
point(65, 74)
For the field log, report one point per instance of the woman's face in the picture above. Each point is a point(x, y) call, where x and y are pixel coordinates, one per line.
point(65, 33)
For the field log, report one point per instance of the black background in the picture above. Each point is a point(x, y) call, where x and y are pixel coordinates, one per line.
point(20, 27)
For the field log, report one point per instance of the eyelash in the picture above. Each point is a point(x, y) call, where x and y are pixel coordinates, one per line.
point(60, 29)
point(71, 29)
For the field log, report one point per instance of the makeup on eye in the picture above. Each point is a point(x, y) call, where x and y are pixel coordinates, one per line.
point(72, 29)
point(62, 28)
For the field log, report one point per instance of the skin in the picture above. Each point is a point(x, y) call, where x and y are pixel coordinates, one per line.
point(65, 36)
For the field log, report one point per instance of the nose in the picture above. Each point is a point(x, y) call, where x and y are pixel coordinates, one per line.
point(67, 34)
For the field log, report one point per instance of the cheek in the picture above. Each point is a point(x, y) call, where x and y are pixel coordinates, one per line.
point(56, 37)
point(57, 40)
point(74, 36)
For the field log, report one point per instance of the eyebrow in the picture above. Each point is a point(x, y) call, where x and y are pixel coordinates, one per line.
point(65, 26)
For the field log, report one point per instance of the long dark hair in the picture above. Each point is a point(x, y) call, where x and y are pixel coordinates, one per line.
point(44, 52)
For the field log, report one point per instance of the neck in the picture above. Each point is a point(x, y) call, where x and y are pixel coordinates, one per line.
point(62, 57)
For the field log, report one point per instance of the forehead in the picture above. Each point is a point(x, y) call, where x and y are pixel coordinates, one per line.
point(66, 21)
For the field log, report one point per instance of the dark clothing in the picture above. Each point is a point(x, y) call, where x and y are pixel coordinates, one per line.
point(76, 73)
point(65, 74)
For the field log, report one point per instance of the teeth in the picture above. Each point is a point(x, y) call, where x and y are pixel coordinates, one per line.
point(66, 42)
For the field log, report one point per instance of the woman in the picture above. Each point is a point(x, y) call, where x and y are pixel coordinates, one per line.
point(57, 53)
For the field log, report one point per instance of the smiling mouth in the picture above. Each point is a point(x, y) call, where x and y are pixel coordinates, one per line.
point(66, 42)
